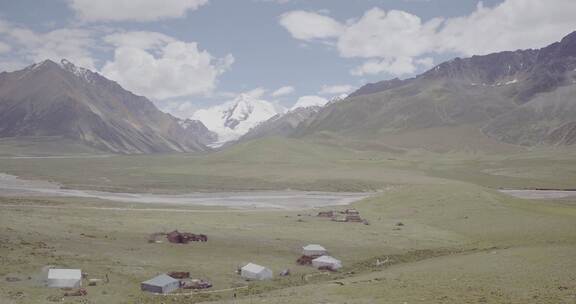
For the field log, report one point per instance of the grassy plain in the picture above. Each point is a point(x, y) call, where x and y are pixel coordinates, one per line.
point(461, 242)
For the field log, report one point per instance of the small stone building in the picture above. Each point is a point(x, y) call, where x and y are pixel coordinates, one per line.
point(161, 284)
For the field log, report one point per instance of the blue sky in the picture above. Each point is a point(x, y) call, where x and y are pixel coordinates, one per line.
point(220, 48)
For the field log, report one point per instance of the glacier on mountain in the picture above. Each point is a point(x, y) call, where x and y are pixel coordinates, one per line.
point(235, 118)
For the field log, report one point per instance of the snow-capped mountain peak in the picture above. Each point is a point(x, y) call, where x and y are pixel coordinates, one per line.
point(241, 110)
point(80, 72)
point(235, 118)
point(309, 102)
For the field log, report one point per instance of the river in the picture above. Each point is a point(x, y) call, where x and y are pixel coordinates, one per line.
point(13, 186)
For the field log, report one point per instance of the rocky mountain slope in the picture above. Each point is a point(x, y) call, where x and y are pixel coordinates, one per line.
point(198, 130)
point(61, 99)
point(524, 97)
point(384, 85)
point(282, 124)
point(285, 124)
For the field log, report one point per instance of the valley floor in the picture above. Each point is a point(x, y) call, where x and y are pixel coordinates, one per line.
point(461, 241)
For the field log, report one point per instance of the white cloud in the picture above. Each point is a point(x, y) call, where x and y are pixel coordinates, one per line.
point(391, 40)
point(8, 64)
point(4, 26)
point(426, 62)
point(4, 47)
point(133, 10)
point(138, 39)
point(147, 63)
point(387, 35)
point(180, 109)
point(310, 101)
point(396, 66)
point(256, 93)
point(186, 109)
point(398, 42)
point(160, 67)
point(514, 24)
point(27, 46)
point(286, 90)
point(309, 26)
point(336, 89)
point(274, 1)
point(224, 94)
point(72, 44)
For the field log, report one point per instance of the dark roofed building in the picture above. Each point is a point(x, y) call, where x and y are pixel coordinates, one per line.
point(161, 284)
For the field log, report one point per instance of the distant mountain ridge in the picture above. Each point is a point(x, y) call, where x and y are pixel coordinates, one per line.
point(524, 97)
point(285, 124)
point(372, 88)
point(521, 98)
point(61, 99)
point(282, 124)
point(543, 69)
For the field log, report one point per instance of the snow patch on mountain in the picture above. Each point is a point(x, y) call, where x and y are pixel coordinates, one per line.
point(235, 118)
point(80, 72)
point(310, 101)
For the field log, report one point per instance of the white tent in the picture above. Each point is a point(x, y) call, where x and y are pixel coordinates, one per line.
point(313, 250)
point(328, 262)
point(255, 272)
point(64, 278)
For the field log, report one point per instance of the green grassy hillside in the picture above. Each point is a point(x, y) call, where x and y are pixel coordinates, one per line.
point(42, 146)
point(277, 163)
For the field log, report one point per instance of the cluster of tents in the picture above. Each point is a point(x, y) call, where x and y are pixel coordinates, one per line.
point(162, 284)
point(319, 259)
point(253, 272)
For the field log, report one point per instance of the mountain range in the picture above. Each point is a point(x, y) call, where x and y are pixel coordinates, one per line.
point(524, 97)
point(507, 99)
point(63, 100)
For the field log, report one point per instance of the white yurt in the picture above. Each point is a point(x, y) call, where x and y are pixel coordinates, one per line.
point(64, 278)
point(255, 272)
point(328, 262)
point(313, 250)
